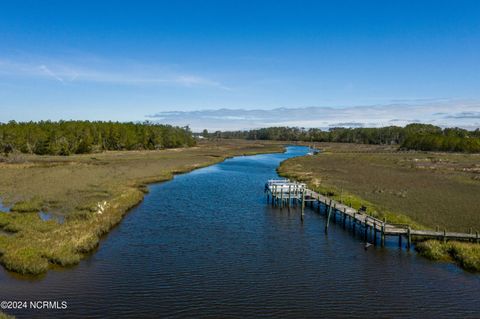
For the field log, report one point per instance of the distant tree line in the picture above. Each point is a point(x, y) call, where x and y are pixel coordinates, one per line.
point(424, 137)
point(79, 137)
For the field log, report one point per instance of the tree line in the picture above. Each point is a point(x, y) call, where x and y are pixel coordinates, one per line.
point(79, 137)
point(424, 137)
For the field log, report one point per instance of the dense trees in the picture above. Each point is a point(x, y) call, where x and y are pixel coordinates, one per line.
point(414, 136)
point(442, 142)
point(77, 137)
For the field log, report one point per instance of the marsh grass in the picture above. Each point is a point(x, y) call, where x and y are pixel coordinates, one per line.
point(28, 206)
point(74, 186)
point(467, 255)
point(349, 199)
point(423, 190)
point(5, 316)
point(431, 189)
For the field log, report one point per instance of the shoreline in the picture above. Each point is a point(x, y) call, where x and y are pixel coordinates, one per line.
point(79, 237)
point(465, 254)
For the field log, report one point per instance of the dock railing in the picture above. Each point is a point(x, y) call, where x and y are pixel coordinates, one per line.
point(286, 193)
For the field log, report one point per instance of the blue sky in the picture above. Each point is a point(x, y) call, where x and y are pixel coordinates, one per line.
point(140, 60)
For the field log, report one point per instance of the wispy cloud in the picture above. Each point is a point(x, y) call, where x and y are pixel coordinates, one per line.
point(463, 115)
point(51, 73)
point(121, 73)
point(442, 113)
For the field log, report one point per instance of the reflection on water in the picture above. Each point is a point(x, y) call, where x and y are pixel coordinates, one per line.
point(3, 207)
point(206, 245)
point(46, 216)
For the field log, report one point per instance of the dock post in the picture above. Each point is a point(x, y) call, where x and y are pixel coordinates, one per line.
point(344, 217)
point(303, 203)
point(383, 234)
point(329, 212)
point(409, 237)
point(281, 197)
point(289, 195)
point(273, 195)
point(476, 235)
point(294, 200)
point(400, 240)
point(354, 224)
point(366, 229)
point(374, 232)
point(277, 197)
point(444, 235)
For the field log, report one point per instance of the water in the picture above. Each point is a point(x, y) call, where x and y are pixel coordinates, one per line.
point(207, 245)
point(3, 207)
point(46, 216)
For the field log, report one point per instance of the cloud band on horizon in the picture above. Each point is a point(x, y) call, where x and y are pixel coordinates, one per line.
point(443, 113)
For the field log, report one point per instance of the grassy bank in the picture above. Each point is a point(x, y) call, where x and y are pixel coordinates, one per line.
point(74, 186)
point(467, 255)
point(425, 190)
point(5, 316)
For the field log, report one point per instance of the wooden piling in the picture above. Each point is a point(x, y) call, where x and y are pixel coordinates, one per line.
point(409, 237)
point(273, 195)
point(303, 203)
point(354, 224)
point(298, 194)
point(289, 195)
point(281, 197)
point(295, 196)
point(366, 229)
point(329, 212)
point(383, 235)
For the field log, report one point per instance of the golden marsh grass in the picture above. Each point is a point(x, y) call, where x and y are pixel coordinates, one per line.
point(74, 186)
point(423, 189)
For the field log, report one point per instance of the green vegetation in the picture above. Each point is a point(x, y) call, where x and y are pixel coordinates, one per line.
point(448, 141)
point(75, 186)
point(32, 205)
point(414, 136)
point(5, 316)
point(81, 137)
point(424, 190)
point(465, 254)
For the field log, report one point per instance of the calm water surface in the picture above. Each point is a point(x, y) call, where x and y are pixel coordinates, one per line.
point(206, 245)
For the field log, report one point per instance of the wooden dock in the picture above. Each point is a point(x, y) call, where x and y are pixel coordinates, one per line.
point(285, 193)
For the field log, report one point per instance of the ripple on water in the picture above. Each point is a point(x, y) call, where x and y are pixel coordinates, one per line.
point(207, 245)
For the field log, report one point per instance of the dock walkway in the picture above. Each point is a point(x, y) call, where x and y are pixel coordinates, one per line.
point(286, 193)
